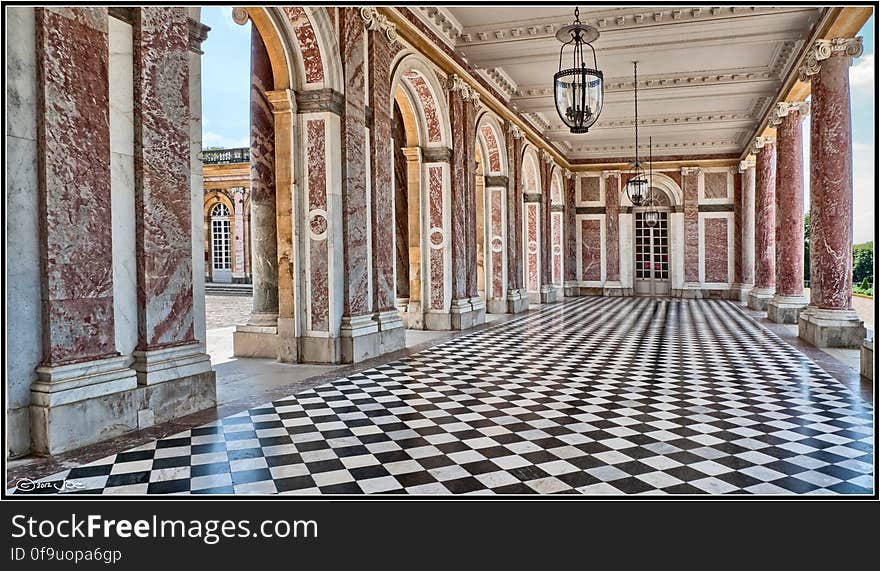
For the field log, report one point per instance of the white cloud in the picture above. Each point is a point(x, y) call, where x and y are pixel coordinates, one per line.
point(862, 73)
point(210, 139)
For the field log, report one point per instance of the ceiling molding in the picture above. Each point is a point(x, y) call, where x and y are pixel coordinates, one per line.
point(503, 82)
point(441, 20)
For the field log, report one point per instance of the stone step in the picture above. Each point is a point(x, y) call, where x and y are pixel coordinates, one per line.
point(245, 290)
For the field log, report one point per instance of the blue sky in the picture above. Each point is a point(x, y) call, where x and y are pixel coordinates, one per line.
point(225, 100)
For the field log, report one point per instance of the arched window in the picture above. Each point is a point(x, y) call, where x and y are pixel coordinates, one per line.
point(220, 257)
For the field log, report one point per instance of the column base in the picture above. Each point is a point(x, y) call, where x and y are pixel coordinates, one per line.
point(263, 319)
point(286, 340)
point(324, 350)
point(478, 306)
point(69, 409)
point(496, 306)
point(463, 315)
point(516, 301)
point(867, 359)
point(550, 294)
point(831, 327)
point(255, 341)
point(412, 315)
point(786, 308)
point(570, 289)
point(437, 320)
point(161, 365)
point(759, 298)
point(740, 292)
point(392, 336)
point(533, 296)
point(615, 289)
point(358, 338)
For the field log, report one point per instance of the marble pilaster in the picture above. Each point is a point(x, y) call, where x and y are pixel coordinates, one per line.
point(238, 238)
point(765, 220)
point(613, 285)
point(789, 300)
point(569, 236)
point(549, 292)
point(690, 177)
point(80, 360)
point(829, 320)
point(517, 300)
point(382, 213)
point(167, 348)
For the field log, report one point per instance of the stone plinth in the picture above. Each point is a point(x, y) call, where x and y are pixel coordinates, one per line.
point(785, 308)
point(831, 327)
point(867, 359)
point(255, 341)
point(759, 298)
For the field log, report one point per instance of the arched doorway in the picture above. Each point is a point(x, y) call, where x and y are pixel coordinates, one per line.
point(652, 265)
point(531, 196)
point(491, 188)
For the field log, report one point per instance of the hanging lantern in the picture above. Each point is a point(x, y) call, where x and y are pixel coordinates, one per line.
point(637, 186)
point(579, 90)
point(652, 216)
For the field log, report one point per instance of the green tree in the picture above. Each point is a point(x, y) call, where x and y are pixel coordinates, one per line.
point(863, 263)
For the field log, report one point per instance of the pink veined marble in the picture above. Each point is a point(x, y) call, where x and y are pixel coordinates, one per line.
point(831, 186)
point(435, 189)
point(356, 264)
point(591, 250)
point(428, 103)
point(748, 225)
point(765, 217)
point(716, 250)
point(569, 232)
point(612, 192)
point(590, 189)
point(496, 244)
point(514, 213)
point(691, 227)
point(532, 247)
point(789, 206)
point(308, 43)
point(317, 180)
point(461, 181)
point(556, 247)
point(163, 209)
point(491, 140)
point(715, 185)
point(546, 233)
point(74, 181)
point(382, 189)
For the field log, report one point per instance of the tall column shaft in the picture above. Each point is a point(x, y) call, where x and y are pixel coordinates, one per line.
point(829, 321)
point(516, 299)
point(549, 293)
point(765, 221)
point(569, 233)
point(264, 245)
point(789, 299)
point(612, 229)
point(748, 224)
point(238, 232)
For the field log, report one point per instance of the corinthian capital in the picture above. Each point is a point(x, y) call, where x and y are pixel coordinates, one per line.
point(783, 108)
point(823, 49)
point(514, 131)
point(746, 165)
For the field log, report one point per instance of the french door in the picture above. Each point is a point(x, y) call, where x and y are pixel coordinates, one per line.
point(652, 255)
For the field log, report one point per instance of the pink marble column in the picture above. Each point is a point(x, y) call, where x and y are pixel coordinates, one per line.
point(765, 221)
point(264, 242)
point(612, 233)
point(356, 264)
point(829, 321)
point(569, 237)
point(789, 300)
point(74, 182)
point(401, 205)
point(745, 205)
point(238, 238)
point(382, 188)
point(465, 304)
point(167, 347)
point(516, 299)
point(548, 290)
point(690, 186)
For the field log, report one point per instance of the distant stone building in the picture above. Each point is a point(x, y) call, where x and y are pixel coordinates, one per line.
point(227, 215)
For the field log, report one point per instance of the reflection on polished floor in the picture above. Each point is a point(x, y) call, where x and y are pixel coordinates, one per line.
point(589, 396)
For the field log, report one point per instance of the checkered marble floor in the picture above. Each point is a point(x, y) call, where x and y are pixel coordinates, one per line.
point(590, 396)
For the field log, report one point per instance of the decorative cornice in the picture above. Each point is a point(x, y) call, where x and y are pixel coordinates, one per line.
point(376, 22)
point(761, 142)
point(783, 108)
point(501, 80)
point(611, 173)
point(824, 49)
point(198, 33)
point(746, 165)
point(443, 21)
point(667, 146)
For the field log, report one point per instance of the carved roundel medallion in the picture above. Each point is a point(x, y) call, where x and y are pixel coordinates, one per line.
point(318, 224)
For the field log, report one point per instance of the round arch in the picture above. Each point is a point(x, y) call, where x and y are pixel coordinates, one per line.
point(415, 75)
point(491, 144)
point(556, 187)
point(662, 183)
point(531, 175)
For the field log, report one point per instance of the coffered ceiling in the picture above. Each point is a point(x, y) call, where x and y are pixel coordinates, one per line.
point(707, 74)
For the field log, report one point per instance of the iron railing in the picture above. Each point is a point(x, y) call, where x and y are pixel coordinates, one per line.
point(226, 156)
